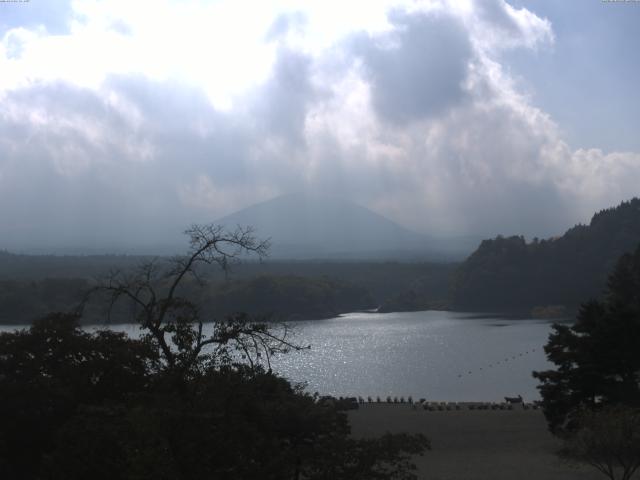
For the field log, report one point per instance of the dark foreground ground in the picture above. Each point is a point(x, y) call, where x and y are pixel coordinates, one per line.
point(474, 444)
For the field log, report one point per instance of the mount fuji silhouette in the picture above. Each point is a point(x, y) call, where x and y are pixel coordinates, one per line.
point(313, 226)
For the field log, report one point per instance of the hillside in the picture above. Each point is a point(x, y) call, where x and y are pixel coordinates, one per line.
point(32, 286)
point(308, 226)
point(510, 273)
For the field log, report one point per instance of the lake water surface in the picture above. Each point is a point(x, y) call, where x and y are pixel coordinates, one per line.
point(436, 355)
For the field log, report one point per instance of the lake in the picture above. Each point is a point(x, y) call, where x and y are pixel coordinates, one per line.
point(441, 356)
point(436, 355)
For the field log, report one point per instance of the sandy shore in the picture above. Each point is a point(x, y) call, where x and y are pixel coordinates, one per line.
point(474, 444)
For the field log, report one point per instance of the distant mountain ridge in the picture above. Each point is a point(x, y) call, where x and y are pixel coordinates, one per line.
point(321, 226)
point(509, 273)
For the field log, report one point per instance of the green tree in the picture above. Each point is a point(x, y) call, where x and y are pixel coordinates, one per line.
point(510, 274)
point(608, 440)
point(49, 371)
point(597, 358)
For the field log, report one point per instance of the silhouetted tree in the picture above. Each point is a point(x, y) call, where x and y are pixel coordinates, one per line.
point(597, 358)
point(174, 322)
point(49, 371)
point(608, 440)
point(97, 406)
point(178, 403)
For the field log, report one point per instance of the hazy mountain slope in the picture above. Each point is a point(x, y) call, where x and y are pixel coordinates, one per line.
point(318, 226)
point(507, 273)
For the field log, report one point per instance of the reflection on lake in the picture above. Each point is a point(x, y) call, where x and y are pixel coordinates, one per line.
point(437, 355)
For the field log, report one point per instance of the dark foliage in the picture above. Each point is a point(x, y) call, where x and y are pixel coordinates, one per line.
point(21, 300)
point(48, 372)
point(608, 440)
point(287, 297)
point(298, 290)
point(509, 273)
point(179, 403)
point(597, 358)
point(100, 406)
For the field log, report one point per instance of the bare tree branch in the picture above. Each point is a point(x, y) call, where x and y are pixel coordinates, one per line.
point(175, 323)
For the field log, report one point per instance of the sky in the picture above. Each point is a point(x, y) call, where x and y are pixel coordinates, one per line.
point(124, 122)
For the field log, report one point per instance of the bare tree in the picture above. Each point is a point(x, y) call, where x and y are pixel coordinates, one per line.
point(608, 440)
point(174, 322)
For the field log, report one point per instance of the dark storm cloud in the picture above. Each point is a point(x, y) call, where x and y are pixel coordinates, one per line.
point(282, 104)
point(418, 70)
point(61, 187)
point(85, 163)
point(190, 136)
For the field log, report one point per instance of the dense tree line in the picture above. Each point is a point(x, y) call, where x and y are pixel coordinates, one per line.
point(38, 267)
point(510, 273)
point(287, 297)
point(428, 292)
point(32, 286)
point(22, 301)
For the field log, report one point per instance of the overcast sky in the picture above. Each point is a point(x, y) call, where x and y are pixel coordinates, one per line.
point(127, 121)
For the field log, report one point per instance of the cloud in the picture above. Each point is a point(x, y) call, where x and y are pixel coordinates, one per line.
point(419, 68)
point(54, 17)
point(127, 132)
point(286, 23)
point(497, 25)
point(282, 103)
point(73, 170)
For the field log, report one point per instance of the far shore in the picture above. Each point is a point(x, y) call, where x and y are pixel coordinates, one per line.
point(474, 444)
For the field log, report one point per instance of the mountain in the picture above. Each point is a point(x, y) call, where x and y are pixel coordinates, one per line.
point(510, 273)
point(305, 226)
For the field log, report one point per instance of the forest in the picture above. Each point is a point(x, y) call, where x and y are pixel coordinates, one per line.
point(31, 286)
point(509, 273)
